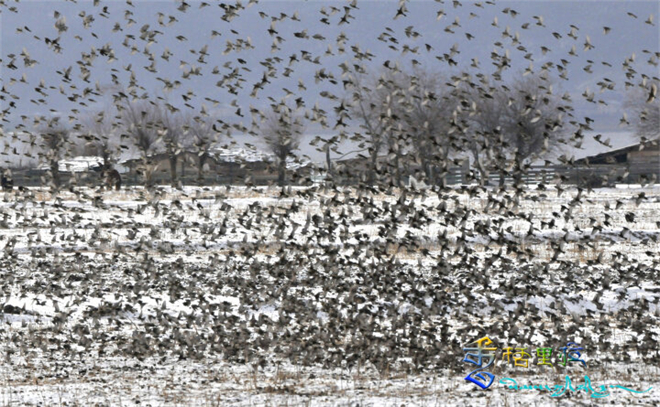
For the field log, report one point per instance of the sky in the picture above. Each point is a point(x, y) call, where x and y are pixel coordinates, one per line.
point(289, 43)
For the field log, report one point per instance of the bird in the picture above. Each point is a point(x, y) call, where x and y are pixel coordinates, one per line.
point(653, 91)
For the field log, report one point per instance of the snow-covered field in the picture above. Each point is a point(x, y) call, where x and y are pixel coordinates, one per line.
point(212, 296)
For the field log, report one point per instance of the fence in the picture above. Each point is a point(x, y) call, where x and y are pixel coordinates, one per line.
point(34, 178)
point(592, 176)
point(584, 176)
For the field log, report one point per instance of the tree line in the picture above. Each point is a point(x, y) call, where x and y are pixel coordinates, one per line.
point(420, 118)
point(414, 118)
point(425, 120)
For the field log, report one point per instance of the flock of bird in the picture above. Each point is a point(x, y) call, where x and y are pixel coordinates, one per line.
point(321, 276)
point(298, 278)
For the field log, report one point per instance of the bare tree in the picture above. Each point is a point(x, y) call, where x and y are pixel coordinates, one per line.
point(644, 107)
point(328, 144)
point(171, 123)
point(426, 112)
point(55, 136)
point(101, 131)
point(392, 95)
point(509, 124)
point(141, 123)
point(478, 119)
point(373, 103)
point(332, 143)
point(203, 137)
point(535, 122)
point(282, 132)
point(405, 112)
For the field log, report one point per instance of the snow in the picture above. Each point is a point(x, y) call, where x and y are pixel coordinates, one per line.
point(151, 382)
point(110, 268)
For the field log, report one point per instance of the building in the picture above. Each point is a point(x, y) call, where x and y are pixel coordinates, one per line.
point(75, 164)
point(222, 166)
point(408, 170)
point(638, 163)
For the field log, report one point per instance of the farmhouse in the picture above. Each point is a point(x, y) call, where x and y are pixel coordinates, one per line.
point(638, 163)
point(187, 164)
point(355, 169)
point(222, 166)
point(75, 164)
point(236, 164)
point(636, 154)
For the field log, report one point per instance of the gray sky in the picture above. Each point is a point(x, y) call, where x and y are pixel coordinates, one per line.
point(468, 27)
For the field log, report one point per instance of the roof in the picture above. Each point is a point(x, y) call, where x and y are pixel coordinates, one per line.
point(239, 154)
point(619, 154)
point(234, 155)
point(76, 164)
point(361, 158)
